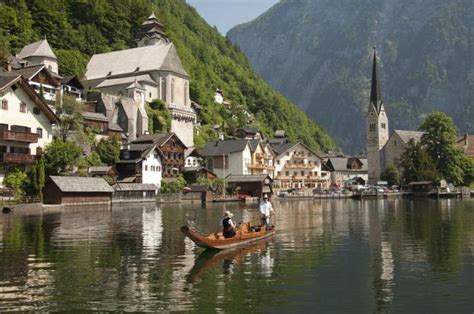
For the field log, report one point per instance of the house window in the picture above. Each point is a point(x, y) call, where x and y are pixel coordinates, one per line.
point(383, 126)
point(22, 107)
point(158, 168)
point(302, 173)
point(152, 168)
point(4, 104)
point(278, 162)
point(146, 168)
point(39, 131)
point(287, 173)
point(163, 89)
point(287, 153)
point(149, 95)
point(172, 91)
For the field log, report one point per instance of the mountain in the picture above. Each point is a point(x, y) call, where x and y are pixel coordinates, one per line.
point(76, 29)
point(318, 54)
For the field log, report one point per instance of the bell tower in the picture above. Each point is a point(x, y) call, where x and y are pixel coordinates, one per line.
point(377, 126)
point(151, 32)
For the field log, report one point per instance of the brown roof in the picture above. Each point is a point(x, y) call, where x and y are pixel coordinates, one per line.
point(81, 184)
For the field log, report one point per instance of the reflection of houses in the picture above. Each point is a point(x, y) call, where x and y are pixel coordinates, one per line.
point(151, 71)
point(26, 123)
point(228, 157)
point(297, 166)
point(77, 190)
point(347, 168)
point(253, 185)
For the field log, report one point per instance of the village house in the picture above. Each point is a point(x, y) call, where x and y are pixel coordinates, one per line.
point(153, 70)
point(344, 169)
point(262, 158)
point(103, 172)
point(151, 159)
point(251, 185)
point(228, 157)
point(297, 166)
point(466, 143)
point(249, 134)
point(26, 123)
point(72, 86)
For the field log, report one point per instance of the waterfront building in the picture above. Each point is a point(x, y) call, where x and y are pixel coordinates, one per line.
point(344, 169)
point(153, 70)
point(152, 158)
point(298, 166)
point(262, 158)
point(228, 157)
point(26, 123)
point(192, 158)
point(253, 185)
point(77, 191)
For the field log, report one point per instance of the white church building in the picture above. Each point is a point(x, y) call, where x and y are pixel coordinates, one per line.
point(153, 70)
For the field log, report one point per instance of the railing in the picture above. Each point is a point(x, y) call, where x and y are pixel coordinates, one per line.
point(15, 158)
point(260, 155)
point(7, 135)
point(298, 156)
point(257, 166)
point(299, 166)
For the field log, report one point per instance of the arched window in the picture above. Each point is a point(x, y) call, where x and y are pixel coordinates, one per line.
point(172, 91)
point(185, 94)
point(163, 89)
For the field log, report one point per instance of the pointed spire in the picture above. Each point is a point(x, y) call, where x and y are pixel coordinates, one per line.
point(152, 16)
point(375, 90)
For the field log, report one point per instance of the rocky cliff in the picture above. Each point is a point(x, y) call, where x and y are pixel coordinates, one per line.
point(318, 54)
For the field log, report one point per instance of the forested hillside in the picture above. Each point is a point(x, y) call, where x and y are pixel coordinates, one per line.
point(76, 29)
point(323, 49)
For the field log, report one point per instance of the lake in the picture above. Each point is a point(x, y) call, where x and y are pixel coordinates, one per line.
point(327, 255)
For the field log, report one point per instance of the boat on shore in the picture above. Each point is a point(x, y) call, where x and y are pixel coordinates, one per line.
point(244, 235)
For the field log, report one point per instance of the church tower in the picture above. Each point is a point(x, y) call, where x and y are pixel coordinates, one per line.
point(151, 32)
point(377, 127)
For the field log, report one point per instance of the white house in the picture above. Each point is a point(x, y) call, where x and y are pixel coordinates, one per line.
point(152, 168)
point(228, 157)
point(26, 123)
point(297, 166)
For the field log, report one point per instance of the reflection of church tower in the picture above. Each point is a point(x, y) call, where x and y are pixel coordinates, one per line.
point(377, 126)
point(151, 32)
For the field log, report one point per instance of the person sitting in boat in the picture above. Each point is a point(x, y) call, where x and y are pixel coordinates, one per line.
point(266, 209)
point(228, 225)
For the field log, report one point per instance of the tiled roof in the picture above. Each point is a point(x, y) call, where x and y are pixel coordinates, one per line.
point(406, 136)
point(30, 71)
point(38, 49)
point(219, 148)
point(96, 116)
point(82, 184)
point(127, 80)
point(134, 187)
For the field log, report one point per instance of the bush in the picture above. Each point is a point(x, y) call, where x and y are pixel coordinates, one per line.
point(17, 180)
point(174, 186)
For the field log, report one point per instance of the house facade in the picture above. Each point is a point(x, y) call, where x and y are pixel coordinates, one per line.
point(153, 70)
point(344, 169)
point(26, 123)
point(297, 166)
point(262, 158)
point(228, 157)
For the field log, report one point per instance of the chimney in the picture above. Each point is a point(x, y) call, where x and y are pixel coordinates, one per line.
point(8, 66)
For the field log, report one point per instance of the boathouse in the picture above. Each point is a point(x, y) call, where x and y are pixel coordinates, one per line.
point(77, 191)
point(131, 192)
point(252, 185)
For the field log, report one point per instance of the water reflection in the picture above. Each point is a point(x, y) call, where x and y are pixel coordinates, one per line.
point(333, 255)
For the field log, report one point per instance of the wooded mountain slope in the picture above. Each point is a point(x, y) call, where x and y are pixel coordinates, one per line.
point(318, 54)
point(79, 28)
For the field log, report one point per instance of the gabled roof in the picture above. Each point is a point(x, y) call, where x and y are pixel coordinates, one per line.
point(282, 148)
point(30, 72)
point(127, 81)
point(406, 136)
point(254, 144)
point(8, 79)
point(343, 164)
point(82, 184)
point(38, 49)
point(219, 148)
point(160, 57)
point(101, 169)
point(95, 116)
point(159, 138)
point(72, 80)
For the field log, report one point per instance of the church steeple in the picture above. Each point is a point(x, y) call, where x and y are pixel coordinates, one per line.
point(375, 90)
point(151, 32)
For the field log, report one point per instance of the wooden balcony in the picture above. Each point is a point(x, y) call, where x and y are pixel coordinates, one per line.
point(14, 158)
point(7, 135)
point(260, 155)
point(299, 166)
point(298, 156)
point(257, 166)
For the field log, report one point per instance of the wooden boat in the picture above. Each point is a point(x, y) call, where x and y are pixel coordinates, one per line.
point(245, 234)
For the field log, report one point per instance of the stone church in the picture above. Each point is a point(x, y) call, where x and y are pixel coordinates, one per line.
point(383, 150)
point(151, 71)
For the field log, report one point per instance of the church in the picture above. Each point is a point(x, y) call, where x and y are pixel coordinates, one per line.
point(383, 150)
point(151, 71)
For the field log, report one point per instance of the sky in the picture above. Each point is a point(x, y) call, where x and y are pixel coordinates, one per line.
point(226, 14)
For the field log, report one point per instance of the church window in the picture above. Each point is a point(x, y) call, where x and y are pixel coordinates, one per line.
point(185, 93)
point(384, 126)
point(372, 127)
point(163, 89)
point(172, 91)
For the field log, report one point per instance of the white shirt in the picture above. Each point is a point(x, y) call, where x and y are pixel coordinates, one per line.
point(266, 208)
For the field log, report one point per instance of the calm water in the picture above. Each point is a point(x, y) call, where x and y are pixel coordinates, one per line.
point(337, 256)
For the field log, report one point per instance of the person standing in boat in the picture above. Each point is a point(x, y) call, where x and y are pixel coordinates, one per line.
point(266, 209)
point(228, 225)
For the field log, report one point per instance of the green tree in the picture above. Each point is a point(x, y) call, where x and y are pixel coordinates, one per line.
point(71, 62)
point(417, 164)
point(108, 150)
point(159, 117)
point(391, 175)
point(93, 159)
point(173, 186)
point(17, 180)
point(71, 120)
point(61, 156)
point(438, 141)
